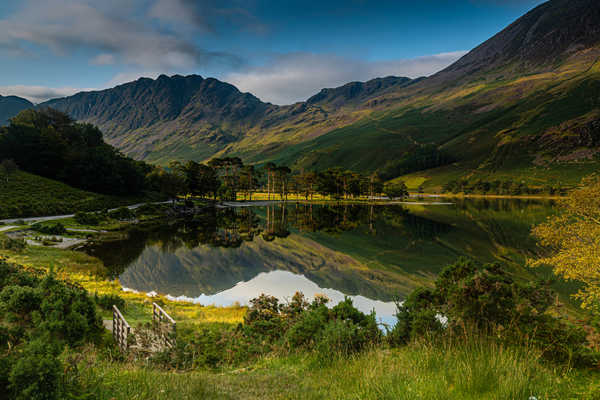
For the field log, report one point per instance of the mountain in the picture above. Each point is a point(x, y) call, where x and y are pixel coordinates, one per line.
point(11, 106)
point(523, 105)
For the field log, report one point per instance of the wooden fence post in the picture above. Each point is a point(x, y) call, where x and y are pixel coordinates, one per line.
point(121, 329)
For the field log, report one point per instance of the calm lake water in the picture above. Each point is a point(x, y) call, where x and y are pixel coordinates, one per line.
point(373, 254)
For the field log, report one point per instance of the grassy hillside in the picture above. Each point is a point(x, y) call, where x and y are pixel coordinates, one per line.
point(538, 128)
point(27, 195)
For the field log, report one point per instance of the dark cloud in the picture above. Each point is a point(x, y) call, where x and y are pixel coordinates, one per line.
point(206, 15)
point(68, 25)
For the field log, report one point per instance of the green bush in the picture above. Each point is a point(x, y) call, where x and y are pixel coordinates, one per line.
point(122, 214)
point(51, 228)
point(39, 317)
point(150, 209)
point(16, 245)
point(84, 218)
point(274, 328)
point(106, 301)
point(485, 299)
point(36, 374)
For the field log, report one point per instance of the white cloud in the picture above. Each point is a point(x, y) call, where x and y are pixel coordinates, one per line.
point(38, 94)
point(295, 77)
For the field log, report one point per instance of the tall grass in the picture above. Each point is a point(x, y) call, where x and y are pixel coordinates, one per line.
point(477, 368)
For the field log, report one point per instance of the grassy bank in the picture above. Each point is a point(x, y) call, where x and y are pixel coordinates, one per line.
point(475, 369)
point(27, 195)
point(445, 368)
point(89, 272)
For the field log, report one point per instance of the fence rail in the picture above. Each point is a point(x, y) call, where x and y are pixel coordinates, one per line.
point(164, 326)
point(121, 329)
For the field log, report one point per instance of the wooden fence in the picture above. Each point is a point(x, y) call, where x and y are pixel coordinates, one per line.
point(164, 326)
point(121, 329)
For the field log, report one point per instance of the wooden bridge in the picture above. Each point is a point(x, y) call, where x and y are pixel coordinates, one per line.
point(162, 334)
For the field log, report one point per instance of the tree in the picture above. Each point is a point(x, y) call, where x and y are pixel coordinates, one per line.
point(171, 184)
point(395, 190)
point(573, 241)
point(248, 180)
point(7, 168)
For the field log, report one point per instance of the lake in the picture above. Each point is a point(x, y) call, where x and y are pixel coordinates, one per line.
point(375, 254)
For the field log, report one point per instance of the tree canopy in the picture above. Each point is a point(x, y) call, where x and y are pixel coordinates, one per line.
point(50, 144)
point(573, 241)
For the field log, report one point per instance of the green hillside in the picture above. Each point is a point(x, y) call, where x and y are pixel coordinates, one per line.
point(27, 195)
point(524, 104)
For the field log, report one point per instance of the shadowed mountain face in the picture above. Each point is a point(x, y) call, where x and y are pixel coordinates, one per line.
point(522, 106)
point(11, 106)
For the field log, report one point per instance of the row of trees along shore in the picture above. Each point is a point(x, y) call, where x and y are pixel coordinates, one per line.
point(225, 178)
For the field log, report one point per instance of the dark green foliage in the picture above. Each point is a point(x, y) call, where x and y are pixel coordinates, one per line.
point(106, 301)
point(49, 228)
point(500, 188)
point(272, 327)
point(122, 214)
point(149, 209)
point(50, 144)
point(39, 317)
point(16, 245)
point(88, 218)
point(395, 190)
point(421, 158)
point(36, 374)
point(474, 298)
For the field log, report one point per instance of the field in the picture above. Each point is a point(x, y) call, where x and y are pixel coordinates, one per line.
point(472, 369)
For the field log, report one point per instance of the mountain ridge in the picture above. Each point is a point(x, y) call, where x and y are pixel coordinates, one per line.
point(11, 106)
point(516, 99)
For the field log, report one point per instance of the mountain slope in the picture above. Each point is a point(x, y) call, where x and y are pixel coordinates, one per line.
point(524, 104)
point(192, 117)
point(11, 106)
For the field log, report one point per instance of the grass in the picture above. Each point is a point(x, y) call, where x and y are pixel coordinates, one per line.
point(475, 369)
point(89, 272)
point(27, 195)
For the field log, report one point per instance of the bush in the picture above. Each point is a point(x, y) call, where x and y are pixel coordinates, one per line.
point(271, 327)
point(84, 218)
point(122, 214)
point(106, 301)
point(53, 228)
point(16, 245)
point(150, 209)
point(485, 299)
point(36, 374)
point(39, 317)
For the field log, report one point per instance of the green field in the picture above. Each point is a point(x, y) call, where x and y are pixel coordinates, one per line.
point(27, 195)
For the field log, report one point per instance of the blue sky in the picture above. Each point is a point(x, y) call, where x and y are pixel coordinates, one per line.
point(281, 51)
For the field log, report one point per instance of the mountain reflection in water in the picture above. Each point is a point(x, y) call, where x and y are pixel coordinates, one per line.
point(375, 254)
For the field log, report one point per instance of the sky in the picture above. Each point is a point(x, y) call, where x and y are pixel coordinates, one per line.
point(282, 51)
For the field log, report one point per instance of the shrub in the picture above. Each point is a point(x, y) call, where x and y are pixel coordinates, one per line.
point(16, 245)
point(36, 374)
point(39, 317)
point(149, 209)
point(90, 218)
point(53, 228)
point(122, 214)
point(486, 299)
point(106, 301)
